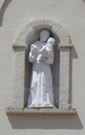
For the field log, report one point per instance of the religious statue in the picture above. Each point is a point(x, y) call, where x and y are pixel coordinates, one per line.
point(41, 55)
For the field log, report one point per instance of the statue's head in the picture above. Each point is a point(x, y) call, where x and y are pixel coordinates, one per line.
point(44, 35)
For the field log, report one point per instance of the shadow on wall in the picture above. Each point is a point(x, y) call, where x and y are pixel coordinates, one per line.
point(45, 122)
point(3, 9)
point(84, 1)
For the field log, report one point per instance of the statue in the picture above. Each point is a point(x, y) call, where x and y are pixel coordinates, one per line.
point(41, 55)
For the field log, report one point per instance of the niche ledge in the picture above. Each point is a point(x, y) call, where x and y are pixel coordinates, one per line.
point(43, 111)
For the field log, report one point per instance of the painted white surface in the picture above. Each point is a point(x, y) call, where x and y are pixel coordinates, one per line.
point(69, 13)
point(42, 56)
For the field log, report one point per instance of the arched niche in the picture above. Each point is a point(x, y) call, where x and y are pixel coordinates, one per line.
point(29, 34)
point(32, 37)
point(27, 31)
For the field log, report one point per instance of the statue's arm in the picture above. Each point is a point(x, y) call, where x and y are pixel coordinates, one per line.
point(32, 53)
point(31, 57)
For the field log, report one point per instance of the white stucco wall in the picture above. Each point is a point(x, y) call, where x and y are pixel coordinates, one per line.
point(71, 15)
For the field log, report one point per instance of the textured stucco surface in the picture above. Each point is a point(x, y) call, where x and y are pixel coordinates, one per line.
point(71, 15)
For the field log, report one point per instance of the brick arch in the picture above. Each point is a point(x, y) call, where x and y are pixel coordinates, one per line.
point(33, 26)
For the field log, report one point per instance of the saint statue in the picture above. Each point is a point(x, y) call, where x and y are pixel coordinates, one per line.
point(41, 55)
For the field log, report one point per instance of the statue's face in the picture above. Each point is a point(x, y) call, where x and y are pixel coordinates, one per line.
point(44, 35)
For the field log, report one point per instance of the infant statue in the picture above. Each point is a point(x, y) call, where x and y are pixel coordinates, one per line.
point(45, 49)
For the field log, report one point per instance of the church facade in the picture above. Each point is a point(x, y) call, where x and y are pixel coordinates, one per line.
point(42, 77)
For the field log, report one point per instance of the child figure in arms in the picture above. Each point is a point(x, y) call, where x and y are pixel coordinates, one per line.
point(48, 48)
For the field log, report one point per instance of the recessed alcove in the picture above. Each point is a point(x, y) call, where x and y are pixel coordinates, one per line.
point(61, 68)
point(54, 68)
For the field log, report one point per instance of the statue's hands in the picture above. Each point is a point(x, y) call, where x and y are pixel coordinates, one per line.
point(43, 51)
point(40, 58)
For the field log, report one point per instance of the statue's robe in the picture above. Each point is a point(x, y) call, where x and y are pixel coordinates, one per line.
point(41, 90)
